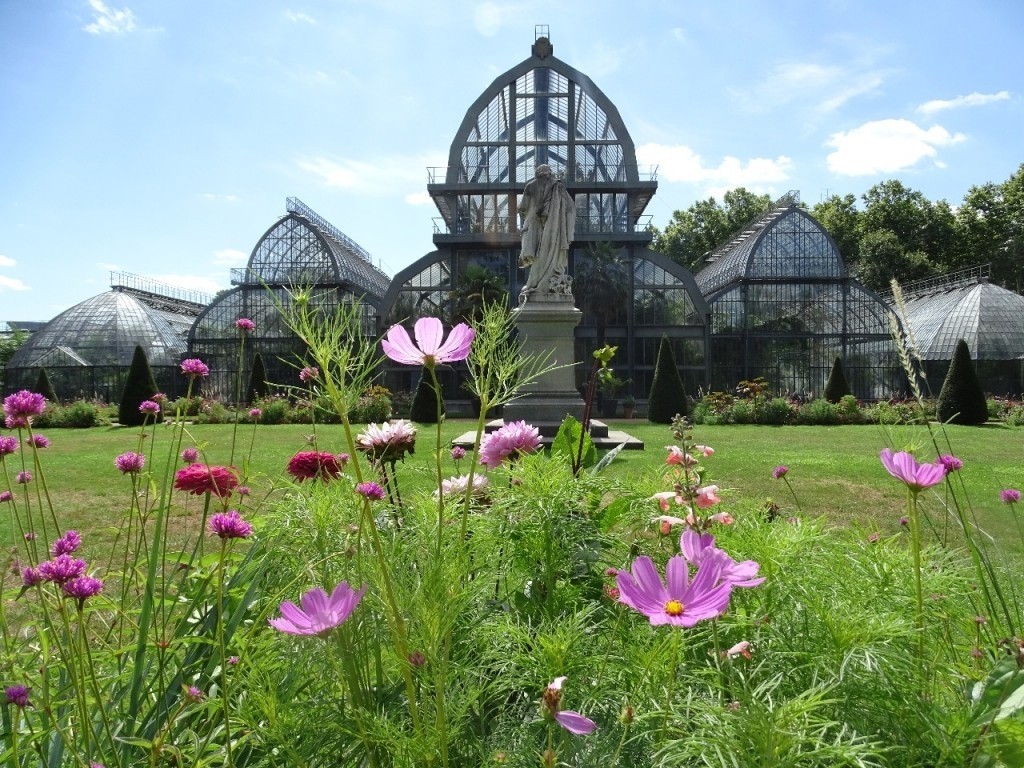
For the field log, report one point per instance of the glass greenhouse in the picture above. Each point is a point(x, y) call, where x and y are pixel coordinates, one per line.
point(784, 307)
point(300, 251)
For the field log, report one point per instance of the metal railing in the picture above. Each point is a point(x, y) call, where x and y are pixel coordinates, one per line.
point(583, 173)
point(142, 284)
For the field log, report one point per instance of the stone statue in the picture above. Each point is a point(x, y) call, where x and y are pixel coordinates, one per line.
point(548, 222)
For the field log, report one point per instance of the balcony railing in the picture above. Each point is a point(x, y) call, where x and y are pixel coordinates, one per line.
point(582, 173)
point(508, 225)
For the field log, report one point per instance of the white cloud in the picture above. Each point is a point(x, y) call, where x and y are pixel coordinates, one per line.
point(230, 257)
point(298, 17)
point(419, 198)
point(488, 17)
point(886, 146)
point(221, 197)
point(681, 164)
point(970, 100)
point(6, 261)
point(107, 21)
point(12, 284)
point(824, 87)
point(375, 176)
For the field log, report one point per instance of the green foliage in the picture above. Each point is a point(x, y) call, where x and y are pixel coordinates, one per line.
point(667, 397)
point(962, 399)
point(80, 414)
point(819, 411)
point(258, 388)
point(424, 404)
point(837, 387)
point(45, 388)
point(601, 285)
point(567, 443)
point(138, 387)
point(374, 406)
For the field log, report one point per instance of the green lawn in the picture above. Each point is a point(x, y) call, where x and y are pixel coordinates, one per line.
point(834, 471)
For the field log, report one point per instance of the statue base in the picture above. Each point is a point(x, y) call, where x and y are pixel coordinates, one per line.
point(546, 325)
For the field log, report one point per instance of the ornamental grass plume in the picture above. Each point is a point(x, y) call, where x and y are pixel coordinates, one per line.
point(510, 441)
point(678, 601)
point(310, 465)
point(320, 613)
point(428, 349)
point(198, 479)
point(230, 525)
point(573, 722)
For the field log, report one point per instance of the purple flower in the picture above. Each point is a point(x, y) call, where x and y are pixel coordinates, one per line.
point(371, 491)
point(950, 463)
point(195, 368)
point(245, 325)
point(309, 373)
point(149, 407)
point(82, 588)
point(903, 466)
point(428, 348)
point(20, 407)
point(66, 544)
point(194, 694)
point(320, 613)
point(129, 463)
point(679, 601)
point(230, 525)
point(697, 547)
point(508, 441)
point(38, 441)
point(23, 477)
point(310, 465)
point(5, 496)
point(190, 455)
point(255, 413)
point(1009, 496)
point(61, 569)
point(17, 695)
point(573, 722)
point(780, 471)
point(31, 576)
point(8, 445)
point(458, 453)
point(243, 490)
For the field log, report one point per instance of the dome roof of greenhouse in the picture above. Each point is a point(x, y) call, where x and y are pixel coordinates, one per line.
point(101, 331)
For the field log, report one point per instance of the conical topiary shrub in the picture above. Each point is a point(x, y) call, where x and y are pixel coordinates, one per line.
point(258, 388)
point(139, 386)
point(837, 387)
point(667, 397)
point(44, 387)
point(424, 404)
point(962, 399)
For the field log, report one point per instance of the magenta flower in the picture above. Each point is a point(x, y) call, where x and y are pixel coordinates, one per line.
point(950, 463)
point(21, 407)
point(149, 407)
point(23, 477)
point(245, 325)
point(696, 547)
point(679, 601)
point(17, 695)
point(573, 722)
point(82, 588)
point(66, 544)
point(508, 442)
point(190, 455)
point(371, 491)
point(194, 694)
point(309, 373)
point(8, 445)
point(198, 479)
point(320, 613)
point(31, 576)
point(780, 471)
point(38, 441)
point(5, 496)
point(1009, 496)
point(130, 462)
point(903, 466)
point(243, 490)
point(458, 453)
point(230, 525)
point(195, 368)
point(428, 348)
point(309, 465)
point(255, 413)
point(61, 569)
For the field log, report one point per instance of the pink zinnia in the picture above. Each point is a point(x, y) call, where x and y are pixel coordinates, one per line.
point(509, 441)
point(903, 466)
point(195, 368)
point(1009, 496)
point(370, 490)
point(428, 348)
point(320, 613)
point(230, 525)
point(149, 407)
point(21, 407)
point(130, 462)
point(309, 465)
point(198, 479)
point(8, 445)
point(245, 325)
point(678, 601)
point(573, 722)
point(66, 544)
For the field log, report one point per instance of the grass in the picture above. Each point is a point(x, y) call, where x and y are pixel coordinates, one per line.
point(834, 471)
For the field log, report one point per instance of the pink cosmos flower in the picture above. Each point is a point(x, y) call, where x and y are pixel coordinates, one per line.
point(66, 544)
point(130, 462)
point(245, 325)
point(678, 457)
point(696, 547)
point(198, 479)
point(149, 407)
point(573, 722)
point(371, 491)
point(679, 601)
point(903, 466)
point(1009, 496)
point(428, 348)
point(230, 525)
point(780, 471)
point(320, 613)
point(8, 445)
point(21, 407)
point(508, 442)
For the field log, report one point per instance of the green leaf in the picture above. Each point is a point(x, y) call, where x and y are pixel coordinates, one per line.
point(567, 442)
point(611, 514)
point(607, 459)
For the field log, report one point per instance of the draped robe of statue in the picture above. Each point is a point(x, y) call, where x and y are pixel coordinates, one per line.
point(548, 216)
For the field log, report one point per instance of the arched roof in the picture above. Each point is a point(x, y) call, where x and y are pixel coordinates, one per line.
point(989, 318)
point(102, 330)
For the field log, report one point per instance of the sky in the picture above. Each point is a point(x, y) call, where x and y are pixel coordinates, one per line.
point(162, 137)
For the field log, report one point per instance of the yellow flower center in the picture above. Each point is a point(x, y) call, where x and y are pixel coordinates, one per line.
point(674, 608)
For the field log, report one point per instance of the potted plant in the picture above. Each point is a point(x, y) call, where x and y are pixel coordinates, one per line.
point(608, 384)
point(628, 404)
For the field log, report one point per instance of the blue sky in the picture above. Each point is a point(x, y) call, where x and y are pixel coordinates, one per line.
point(161, 137)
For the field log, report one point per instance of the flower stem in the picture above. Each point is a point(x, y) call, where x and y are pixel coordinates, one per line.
point(223, 652)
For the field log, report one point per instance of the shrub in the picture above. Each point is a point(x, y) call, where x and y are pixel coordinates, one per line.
point(1015, 416)
point(961, 399)
point(837, 386)
point(667, 397)
point(743, 412)
point(186, 406)
point(44, 387)
point(139, 386)
point(276, 410)
point(215, 412)
point(819, 411)
point(374, 406)
point(257, 389)
point(424, 404)
point(849, 410)
point(82, 414)
point(776, 411)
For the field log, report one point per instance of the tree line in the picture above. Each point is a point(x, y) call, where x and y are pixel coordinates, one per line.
point(893, 231)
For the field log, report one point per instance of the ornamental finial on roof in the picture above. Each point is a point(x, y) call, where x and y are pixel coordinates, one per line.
point(542, 48)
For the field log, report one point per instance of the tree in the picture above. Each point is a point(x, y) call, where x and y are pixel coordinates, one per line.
point(667, 397)
point(990, 227)
point(138, 387)
point(257, 389)
point(883, 257)
point(601, 285)
point(9, 344)
point(837, 387)
point(841, 219)
point(44, 387)
point(477, 287)
point(962, 399)
point(424, 402)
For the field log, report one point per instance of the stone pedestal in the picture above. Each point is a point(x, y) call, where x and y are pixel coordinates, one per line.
point(548, 326)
